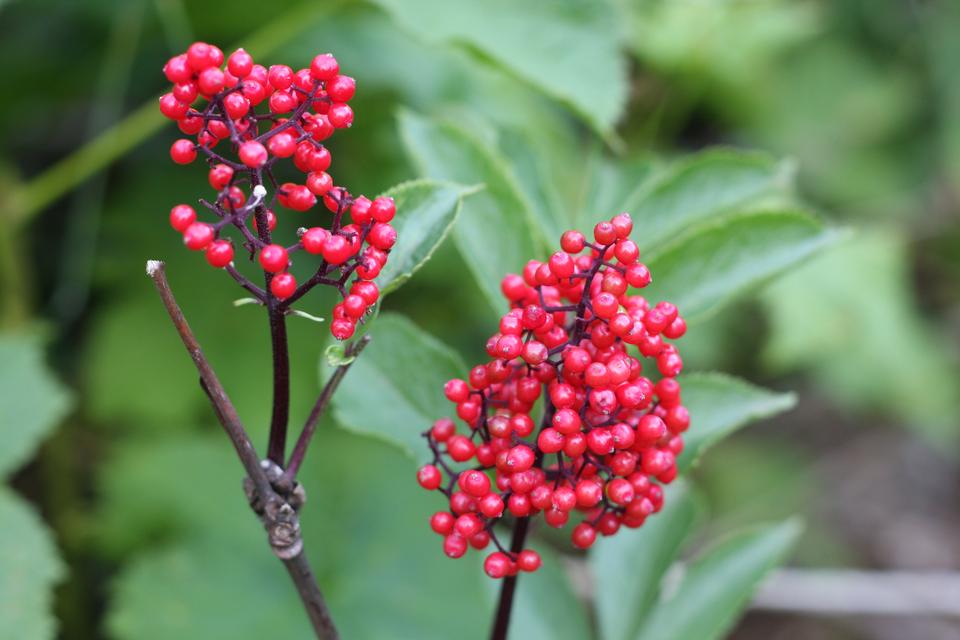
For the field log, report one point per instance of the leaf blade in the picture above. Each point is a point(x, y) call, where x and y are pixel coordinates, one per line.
point(703, 186)
point(426, 213)
point(628, 567)
point(32, 400)
point(719, 260)
point(408, 367)
point(719, 405)
point(493, 231)
point(30, 565)
point(718, 585)
point(548, 45)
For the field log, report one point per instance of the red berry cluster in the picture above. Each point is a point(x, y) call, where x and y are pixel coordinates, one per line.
point(304, 108)
point(609, 434)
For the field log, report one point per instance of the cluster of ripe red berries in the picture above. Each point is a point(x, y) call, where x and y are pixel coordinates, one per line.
point(610, 431)
point(304, 108)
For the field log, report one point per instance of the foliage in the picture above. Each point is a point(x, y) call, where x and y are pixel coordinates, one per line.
point(515, 121)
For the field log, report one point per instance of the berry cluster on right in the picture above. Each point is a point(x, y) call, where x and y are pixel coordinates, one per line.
point(597, 365)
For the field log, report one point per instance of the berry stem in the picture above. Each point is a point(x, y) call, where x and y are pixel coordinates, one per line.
point(319, 408)
point(281, 378)
point(501, 622)
point(271, 504)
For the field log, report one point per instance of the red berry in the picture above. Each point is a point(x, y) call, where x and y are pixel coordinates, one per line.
point(178, 69)
point(198, 236)
point(491, 505)
point(182, 216)
point(467, 525)
point(198, 56)
point(342, 329)
point(172, 107)
point(319, 183)
point(442, 522)
point(583, 535)
point(341, 88)
point(475, 483)
point(340, 115)
point(572, 241)
point(382, 236)
point(210, 81)
point(183, 151)
point(324, 67)
point(313, 239)
point(604, 233)
point(299, 198)
point(460, 448)
point(274, 258)
point(456, 390)
point(253, 154)
point(336, 249)
point(429, 477)
point(454, 545)
point(562, 265)
point(383, 209)
point(622, 224)
point(282, 145)
point(240, 63)
point(497, 565)
point(280, 76)
point(282, 101)
point(236, 105)
point(283, 285)
point(220, 176)
point(528, 560)
point(220, 253)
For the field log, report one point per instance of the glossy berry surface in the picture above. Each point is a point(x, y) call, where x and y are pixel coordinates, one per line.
point(252, 123)
point(576, 419)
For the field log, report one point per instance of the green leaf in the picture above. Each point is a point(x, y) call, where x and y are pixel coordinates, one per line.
point(544, 605)
point(29, 567)
point(207, 589)
point(849, 318)
point(426, 211)
point(720, 259)
point(408, 368)
point(493, 233)
point(365, 530)
point(691, 41)
point(32, 400)
point(615, 186)
point(133, 510)
point(702, 186)
point(719, 405)
point(628, 567)
point(716, 587)
point(566, 49)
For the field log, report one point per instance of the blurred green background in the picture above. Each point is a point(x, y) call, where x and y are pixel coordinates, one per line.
point(121, 458)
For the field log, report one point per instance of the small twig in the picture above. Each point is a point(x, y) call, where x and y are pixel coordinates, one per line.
point(501, 623)
point(300, 449)
point(226, 412)
point(242, 280)
point(276, 513)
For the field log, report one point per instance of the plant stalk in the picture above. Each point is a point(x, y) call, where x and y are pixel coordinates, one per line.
point(277, 515)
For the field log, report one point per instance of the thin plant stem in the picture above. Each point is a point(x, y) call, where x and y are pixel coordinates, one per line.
point(300, 449)
point(277, 515)
point(501, 623)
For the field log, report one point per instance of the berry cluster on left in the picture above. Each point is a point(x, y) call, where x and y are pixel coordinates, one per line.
point(215, 100)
